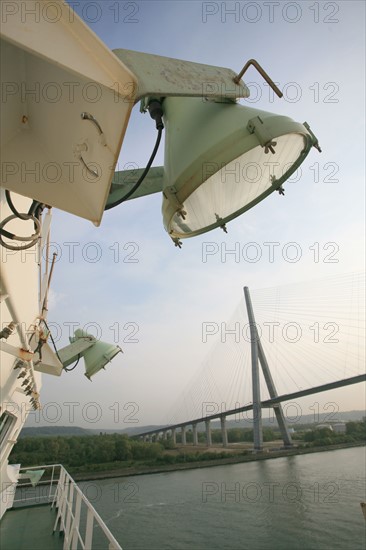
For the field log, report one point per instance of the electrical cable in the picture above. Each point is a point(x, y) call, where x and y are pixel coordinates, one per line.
point(32, 238)
point(12, 207)
point(141, 178)
point(34, 213)
point(56, 351)
point(156, 113)
point(74, 366)
point(52, 340)
point(32, 209)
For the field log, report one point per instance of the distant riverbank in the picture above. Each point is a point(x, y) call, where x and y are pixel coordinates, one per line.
point(238, 458)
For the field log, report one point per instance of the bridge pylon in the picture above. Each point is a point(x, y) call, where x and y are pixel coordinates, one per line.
point(258, 356)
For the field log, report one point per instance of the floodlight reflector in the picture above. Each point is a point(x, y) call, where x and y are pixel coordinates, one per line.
point(222, 159)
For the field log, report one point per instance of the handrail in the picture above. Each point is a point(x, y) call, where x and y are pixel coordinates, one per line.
point(51, 482)
point(68, 499)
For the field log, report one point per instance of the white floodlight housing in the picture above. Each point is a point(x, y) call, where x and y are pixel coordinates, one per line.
point(64, 109)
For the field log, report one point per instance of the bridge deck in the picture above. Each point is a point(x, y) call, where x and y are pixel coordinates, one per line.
point(266, 404)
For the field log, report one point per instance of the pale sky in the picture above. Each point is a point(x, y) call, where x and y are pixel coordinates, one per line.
point(152, 298)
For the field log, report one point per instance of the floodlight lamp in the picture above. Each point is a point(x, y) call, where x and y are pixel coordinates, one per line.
point(222, 159)
point(96, 354)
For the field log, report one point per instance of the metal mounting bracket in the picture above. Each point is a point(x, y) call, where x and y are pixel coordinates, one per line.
point(160, 76)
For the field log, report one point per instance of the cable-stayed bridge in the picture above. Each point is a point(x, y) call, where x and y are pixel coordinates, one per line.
point(282, 343)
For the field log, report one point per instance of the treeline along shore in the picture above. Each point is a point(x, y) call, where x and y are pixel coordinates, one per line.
point(111, 455)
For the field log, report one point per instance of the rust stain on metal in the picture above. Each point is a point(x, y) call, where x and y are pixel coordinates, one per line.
point(25, 354)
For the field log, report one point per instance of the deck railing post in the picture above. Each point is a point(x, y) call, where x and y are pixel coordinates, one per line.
point(51, 483)
point(89, 529)
point(68, 513)
point(76, 523)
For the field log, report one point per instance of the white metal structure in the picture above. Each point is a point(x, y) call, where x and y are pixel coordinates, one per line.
point(64, 112)
point(23, 291)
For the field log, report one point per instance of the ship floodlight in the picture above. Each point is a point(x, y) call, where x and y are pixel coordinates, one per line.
point(222, 159)
point(97, 357)
point(96, 354)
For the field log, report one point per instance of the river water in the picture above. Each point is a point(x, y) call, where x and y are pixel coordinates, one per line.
point(302, 502)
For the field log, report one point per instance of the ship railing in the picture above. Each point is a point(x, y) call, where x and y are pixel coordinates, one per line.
point(76, 519)
point(43, 493)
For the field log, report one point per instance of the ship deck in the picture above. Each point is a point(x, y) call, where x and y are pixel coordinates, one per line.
point(30, 528)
